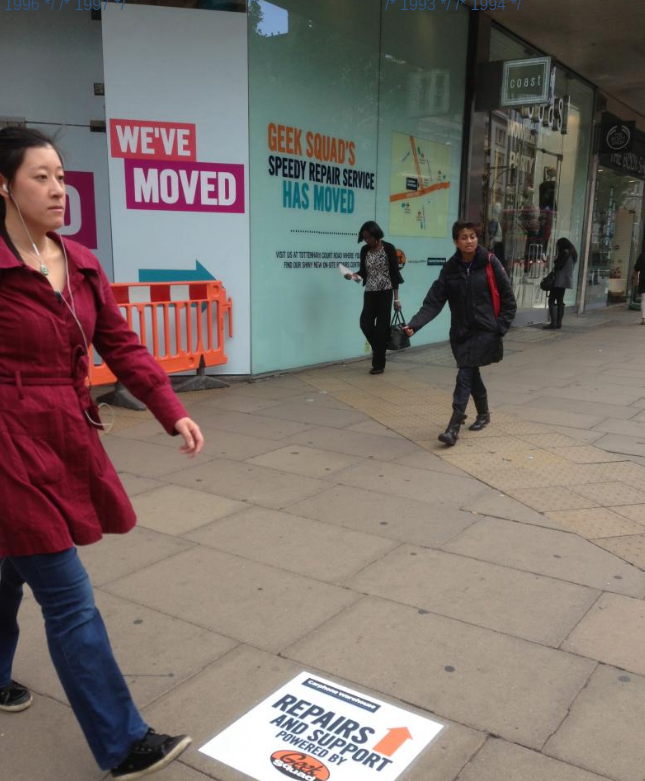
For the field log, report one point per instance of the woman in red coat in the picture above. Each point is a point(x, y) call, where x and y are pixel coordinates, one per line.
point(58, 489)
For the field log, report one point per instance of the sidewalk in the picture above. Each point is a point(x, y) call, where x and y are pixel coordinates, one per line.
point(325, 529)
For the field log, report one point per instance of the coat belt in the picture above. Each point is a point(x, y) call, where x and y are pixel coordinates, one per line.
point(21, 379)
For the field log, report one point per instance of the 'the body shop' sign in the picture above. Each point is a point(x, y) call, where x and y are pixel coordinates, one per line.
point(162, 173)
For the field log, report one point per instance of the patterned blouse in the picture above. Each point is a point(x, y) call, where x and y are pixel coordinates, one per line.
point(378, 271)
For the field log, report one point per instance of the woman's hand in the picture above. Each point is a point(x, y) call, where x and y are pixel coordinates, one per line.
point(193, 438)
point(408, 331)
point(397, 304)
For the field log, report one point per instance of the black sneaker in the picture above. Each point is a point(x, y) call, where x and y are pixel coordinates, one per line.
point(14, 697)
point(153, 752)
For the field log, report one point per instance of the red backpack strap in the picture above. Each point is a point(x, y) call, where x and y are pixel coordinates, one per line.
point(492, 284)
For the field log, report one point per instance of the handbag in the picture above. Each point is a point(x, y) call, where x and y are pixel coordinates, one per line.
point(548, 282)
point(492, 284)
point(398, 339)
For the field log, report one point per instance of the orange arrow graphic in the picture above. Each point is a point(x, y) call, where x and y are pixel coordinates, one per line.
point(393, 741)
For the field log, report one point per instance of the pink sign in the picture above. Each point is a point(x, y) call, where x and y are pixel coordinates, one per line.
point(184, 187)
point(139, 138)
point(80, 208)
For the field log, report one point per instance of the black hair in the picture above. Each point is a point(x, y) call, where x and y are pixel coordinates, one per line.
point(14, 143)
point(461, 225)
point(373, 228)
point(564, 244)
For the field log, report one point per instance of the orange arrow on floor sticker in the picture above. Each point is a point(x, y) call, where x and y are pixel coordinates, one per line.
point(393, 741)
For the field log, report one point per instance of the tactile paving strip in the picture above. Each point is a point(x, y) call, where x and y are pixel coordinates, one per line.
point(574, 483)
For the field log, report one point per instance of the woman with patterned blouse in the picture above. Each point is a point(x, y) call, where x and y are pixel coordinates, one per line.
point(379, 272)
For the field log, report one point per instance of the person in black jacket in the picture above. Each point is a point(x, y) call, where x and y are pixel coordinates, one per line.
point(638, 278)
point(565, 260)
point(475, 331)
point(379, 271)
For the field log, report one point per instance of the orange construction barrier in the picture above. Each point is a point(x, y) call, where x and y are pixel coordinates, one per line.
point(182, 333)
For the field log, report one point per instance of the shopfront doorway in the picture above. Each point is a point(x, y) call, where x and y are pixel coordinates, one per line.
point(616, 238)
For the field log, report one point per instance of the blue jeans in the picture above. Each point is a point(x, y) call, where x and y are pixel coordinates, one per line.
point(469, 383)
point(79, 648)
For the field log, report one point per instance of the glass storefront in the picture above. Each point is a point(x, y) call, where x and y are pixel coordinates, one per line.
point(534, 177)
point(616, 238)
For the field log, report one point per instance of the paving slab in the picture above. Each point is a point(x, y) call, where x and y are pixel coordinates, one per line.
point(117, 555)
point(550, 498)
point(383, 446)
point(257, 426)
point(594, 391)
point(422, 459)
point(409, 482)
point(597, 409)
point(372, 427)
point(312, 415)
point(625, 428)
point(405, 520)
point(479, 678)
point(635, 512)
point(501, 759)
point(247, 482)
point(271, 389)
point(551, 416)
point(608, 494)
point(173, 509)
point(237, 447)
point(307, 547)
point(498, 505)
point(622, 443)
point(45, 743)
point(547, 552)
point(226, 690)
point(522, 604)
point(588, 437)
point(631, 549)
point(613, 632)
point(234, 401)
point(240, 599)
point(135, 485)
point(581, 454)
point(320, 399)
point(596, 523)
point(307, 461)
point(156, 652)
point(603, 731)
point(145, 459)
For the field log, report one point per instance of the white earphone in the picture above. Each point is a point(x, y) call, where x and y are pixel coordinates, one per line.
point(72, 309)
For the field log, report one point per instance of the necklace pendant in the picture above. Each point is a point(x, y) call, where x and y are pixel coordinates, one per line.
point(44, 270)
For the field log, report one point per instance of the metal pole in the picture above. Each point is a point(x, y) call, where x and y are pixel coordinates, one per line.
point(591, 202)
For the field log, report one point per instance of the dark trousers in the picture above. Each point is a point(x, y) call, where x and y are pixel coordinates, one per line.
point(375, 323)
point(469, 383)
point(556, 295)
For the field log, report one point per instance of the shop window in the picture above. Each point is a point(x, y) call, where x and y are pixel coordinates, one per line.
point(533, 188)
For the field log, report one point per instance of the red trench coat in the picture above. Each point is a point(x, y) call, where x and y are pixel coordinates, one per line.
point(58, 487)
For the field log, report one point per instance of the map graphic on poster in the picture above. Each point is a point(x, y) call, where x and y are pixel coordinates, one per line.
point(419, 187)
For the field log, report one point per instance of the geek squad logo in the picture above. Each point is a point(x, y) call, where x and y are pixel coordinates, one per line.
point(295, 764)
point(618, 138)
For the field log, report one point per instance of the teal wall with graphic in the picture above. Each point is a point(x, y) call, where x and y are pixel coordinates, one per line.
point(356, 114)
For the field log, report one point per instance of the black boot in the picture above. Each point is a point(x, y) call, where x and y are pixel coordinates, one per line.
point(553, 314)
point(451, 434)
point(558, 322)
point(483, 414)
